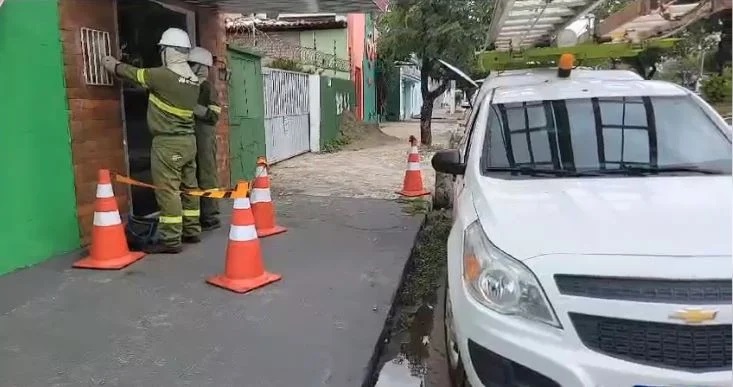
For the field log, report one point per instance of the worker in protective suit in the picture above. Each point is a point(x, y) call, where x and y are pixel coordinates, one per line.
point(173, 95)
point(206, 115)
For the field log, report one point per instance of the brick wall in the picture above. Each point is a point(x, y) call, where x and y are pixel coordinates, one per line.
point(212, 36)
point(95, 111)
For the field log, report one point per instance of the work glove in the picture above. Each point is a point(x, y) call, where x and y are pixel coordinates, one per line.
point(110, 63)
point(200, 111)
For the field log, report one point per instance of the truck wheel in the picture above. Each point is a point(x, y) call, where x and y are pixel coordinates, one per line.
point(453, 357)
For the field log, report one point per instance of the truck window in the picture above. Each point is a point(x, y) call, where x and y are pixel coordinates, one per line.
point(605, 133)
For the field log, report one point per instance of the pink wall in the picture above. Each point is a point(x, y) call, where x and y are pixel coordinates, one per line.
point(356, 30)
point(356, 33)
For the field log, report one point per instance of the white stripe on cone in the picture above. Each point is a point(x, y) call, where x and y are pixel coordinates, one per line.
point(241, 204)
point(242, 233)
point(413, 166)
point(104, 191)
point(107, 218)
point(261, 171)
point(261, 195)
point(413, 150)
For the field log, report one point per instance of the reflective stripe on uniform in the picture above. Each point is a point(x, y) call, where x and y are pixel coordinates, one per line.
point(242, 233)
point(191, 213)
point(183, 113)
point(104, 191)
point(214, 108)
point(107, 218)
point(140, 75)
point(260, 195)
point(170, 219)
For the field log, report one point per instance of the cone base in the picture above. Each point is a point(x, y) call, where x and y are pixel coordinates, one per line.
point(243, 285)
point(271, 231)
point(412, 194)
point(109, 264)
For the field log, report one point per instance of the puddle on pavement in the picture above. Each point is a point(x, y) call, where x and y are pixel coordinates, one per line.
point(403, 360)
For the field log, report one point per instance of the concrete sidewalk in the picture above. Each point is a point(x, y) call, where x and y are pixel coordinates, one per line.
point(157, 323)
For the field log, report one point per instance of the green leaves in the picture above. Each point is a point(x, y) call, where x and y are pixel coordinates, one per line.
point(447, 29)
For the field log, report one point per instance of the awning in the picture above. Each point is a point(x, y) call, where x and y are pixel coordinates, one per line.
point(292, 6)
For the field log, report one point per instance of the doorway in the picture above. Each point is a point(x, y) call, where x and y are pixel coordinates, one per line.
point(141, 23)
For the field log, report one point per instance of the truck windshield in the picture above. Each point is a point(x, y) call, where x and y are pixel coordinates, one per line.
point(606, 136)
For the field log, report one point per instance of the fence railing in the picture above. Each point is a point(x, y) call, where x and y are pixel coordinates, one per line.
point(276, 48)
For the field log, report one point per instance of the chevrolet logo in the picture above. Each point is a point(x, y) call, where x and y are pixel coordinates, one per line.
point(694, 315)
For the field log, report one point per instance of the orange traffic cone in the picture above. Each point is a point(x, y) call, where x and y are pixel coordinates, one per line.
point(262, 207)
point(244, 269)
point(109, 245)
point(413, 185)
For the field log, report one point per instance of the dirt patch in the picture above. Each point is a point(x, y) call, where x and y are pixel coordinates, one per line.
point(362, 135)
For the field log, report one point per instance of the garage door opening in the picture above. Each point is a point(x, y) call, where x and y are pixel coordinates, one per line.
point(141, 24)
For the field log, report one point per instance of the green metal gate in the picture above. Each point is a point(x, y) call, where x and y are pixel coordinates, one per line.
point(246, 113)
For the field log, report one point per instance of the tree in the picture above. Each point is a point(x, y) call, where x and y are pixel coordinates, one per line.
point(452, 30)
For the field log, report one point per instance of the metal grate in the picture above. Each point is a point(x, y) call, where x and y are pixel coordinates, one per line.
point(684, 347)
point(95, 45)
point(646, 289)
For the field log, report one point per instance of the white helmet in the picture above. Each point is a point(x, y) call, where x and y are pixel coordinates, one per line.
point(201, 55)
point(175, 37)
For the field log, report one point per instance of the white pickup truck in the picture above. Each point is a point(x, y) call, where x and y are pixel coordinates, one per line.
point(591, 243)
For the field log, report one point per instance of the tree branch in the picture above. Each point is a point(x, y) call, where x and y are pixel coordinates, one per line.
point(438, 91)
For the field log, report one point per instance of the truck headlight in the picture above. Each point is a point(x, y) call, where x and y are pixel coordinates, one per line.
point(500, 282)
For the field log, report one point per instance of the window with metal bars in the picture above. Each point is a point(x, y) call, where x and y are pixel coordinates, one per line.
point(605, 133)
point(95, 45)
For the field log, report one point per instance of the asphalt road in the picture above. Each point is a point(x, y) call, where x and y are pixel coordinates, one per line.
point(157, 323)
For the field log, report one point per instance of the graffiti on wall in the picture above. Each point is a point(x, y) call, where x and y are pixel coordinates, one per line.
point(342, 102)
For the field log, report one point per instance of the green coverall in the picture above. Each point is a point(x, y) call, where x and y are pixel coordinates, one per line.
point(208, 176)
point(170, 119)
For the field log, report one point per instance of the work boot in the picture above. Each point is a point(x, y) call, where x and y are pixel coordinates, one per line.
point(210, 224)
point(161, 248)
point(191, 239)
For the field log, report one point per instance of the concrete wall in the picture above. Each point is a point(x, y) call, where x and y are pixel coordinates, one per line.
point(330, 42)
point(37, 197)
point(95, 115)
point(337, 96)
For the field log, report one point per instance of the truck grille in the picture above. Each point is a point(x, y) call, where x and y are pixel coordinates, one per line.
point(691, 292)
point(700, 348)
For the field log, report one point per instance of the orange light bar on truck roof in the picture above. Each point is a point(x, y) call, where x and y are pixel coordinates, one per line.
point(565, 65)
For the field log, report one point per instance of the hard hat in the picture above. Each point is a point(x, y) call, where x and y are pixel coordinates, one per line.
point(201, 55)
point(175, 37)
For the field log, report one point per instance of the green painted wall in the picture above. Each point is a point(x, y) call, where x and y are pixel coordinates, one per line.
point(337, 95)
point(370, 76)
point(330, 42)
point(37, 202)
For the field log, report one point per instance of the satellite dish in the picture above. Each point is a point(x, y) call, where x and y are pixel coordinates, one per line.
point(459, 72)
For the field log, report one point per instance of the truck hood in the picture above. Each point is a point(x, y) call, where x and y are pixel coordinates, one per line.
point(659, 216)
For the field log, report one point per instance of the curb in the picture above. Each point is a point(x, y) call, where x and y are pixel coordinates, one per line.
point(372, 369)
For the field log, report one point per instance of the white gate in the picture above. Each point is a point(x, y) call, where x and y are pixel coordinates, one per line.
point(287, 126)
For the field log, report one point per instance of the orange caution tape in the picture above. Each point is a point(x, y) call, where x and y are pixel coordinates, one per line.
point(240, 191)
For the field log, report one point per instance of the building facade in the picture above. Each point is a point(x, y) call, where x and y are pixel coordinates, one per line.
point(67, 118)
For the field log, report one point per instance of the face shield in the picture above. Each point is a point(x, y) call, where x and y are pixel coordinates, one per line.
point(176, 60)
